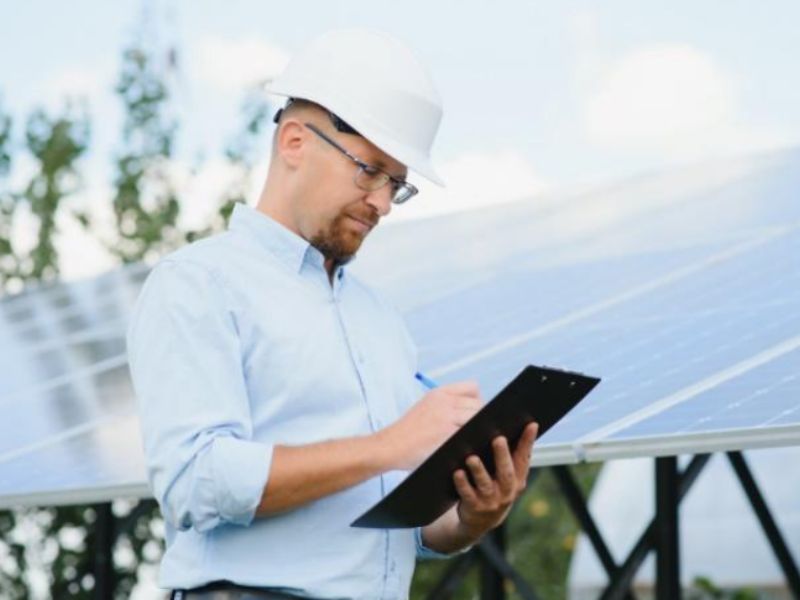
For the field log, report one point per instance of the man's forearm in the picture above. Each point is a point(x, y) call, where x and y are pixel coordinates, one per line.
point(302, 474)
point(447, 534)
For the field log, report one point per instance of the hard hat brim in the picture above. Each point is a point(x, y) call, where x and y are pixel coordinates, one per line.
point(408, 156)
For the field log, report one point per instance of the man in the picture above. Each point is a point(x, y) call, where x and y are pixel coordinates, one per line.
point(277, 392)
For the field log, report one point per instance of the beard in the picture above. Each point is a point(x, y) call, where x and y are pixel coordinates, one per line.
point(339, 242)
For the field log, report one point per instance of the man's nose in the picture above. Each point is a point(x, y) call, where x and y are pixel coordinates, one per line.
point(381, 199)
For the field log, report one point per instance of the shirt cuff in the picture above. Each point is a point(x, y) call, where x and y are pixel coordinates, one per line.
point(241, 469)
point(424, 552)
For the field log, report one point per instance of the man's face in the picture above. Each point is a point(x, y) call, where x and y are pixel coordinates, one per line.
point(339, 213)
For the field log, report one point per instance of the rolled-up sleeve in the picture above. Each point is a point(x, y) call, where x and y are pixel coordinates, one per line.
point(185, 359)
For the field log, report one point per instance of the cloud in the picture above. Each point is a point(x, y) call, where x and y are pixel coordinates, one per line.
point(82, 254)
point(673, 101)
point(584, 30)
point(95, 85)
point(77, 82)
point(660, 95)
point(231, 65)
point(474, 180)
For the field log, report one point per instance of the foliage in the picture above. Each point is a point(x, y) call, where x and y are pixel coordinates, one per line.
point(60, 541)
point(704, 589)
point(146, 204)
point(54, 143)
point(7, 201)
point(241, 153)
point(541, 534)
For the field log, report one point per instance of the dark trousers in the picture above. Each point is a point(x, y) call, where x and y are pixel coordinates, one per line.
point(225, 590)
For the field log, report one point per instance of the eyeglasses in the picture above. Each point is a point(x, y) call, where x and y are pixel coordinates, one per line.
point(370, 177)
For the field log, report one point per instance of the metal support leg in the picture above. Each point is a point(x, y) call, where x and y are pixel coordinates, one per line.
point(668, 581)
point(103, 552)
point(492, 584)
point(493, 557)
point(621, 581)
point(455, 573)
point(577, 503)
point(779, 546)
point(494, 567)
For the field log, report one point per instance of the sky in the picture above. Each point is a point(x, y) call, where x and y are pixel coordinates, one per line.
point(540, 98)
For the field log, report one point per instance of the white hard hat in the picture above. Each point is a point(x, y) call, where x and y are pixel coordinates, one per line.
point(376, 85)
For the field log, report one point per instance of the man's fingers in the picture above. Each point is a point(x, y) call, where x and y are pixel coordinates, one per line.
point(462, 415)
point(463, 487)
point(483, 481)
point(461, 388)
point(522, 453)
point(468, 403)
point(505, 471)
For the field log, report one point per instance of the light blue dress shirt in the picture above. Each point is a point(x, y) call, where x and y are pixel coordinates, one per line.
point(239, 342)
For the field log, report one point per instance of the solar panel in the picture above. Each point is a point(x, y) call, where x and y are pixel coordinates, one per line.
point(766, 396)
point(57, 405)
point(680, 291)
point(96, 462)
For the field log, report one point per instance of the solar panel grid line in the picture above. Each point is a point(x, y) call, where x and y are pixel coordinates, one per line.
point(106, 331)
point(107, 302)
point(104, 365)
point(98, 464)
point(23, 370)
point(62, 436)
point(689, 392)
point(100, 333)
point(125, 273)
point(636, 291)
point(73, 361)
point(743, 401)
point(779, 416)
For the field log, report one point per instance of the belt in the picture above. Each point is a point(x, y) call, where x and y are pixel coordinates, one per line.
point(226, 590)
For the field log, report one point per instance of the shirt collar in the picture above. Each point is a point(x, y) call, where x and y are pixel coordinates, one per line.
point(286, 246)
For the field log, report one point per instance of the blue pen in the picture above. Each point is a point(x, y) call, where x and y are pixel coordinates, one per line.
point(428, 383)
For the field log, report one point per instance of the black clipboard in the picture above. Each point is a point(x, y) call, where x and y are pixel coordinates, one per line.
point(540, 394)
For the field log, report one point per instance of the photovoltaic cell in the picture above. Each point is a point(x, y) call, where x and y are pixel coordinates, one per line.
point(656, 286)
point(766, 396)
point(101, 463)
point(659, 342)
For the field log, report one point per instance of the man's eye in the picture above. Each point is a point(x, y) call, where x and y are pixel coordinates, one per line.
point(371, 171)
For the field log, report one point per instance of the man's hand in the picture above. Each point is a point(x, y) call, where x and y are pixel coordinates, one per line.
point(430, 422)
point(302, 474)
point(486, 504)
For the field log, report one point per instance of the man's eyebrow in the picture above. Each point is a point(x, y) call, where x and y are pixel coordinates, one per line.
point(382, 166)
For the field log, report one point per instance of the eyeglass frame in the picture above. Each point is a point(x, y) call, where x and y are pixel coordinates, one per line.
point(364, 167)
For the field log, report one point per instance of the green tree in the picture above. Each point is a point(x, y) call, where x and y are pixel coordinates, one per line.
point(145, 205)
point(7, 261)
point(55, 143)
point(242, 153)
point(146, 208)
point(540, 538)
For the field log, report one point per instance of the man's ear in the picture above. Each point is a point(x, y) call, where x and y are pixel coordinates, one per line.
point(290, 142)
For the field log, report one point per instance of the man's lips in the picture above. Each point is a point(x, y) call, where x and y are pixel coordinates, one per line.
point(367, 222)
